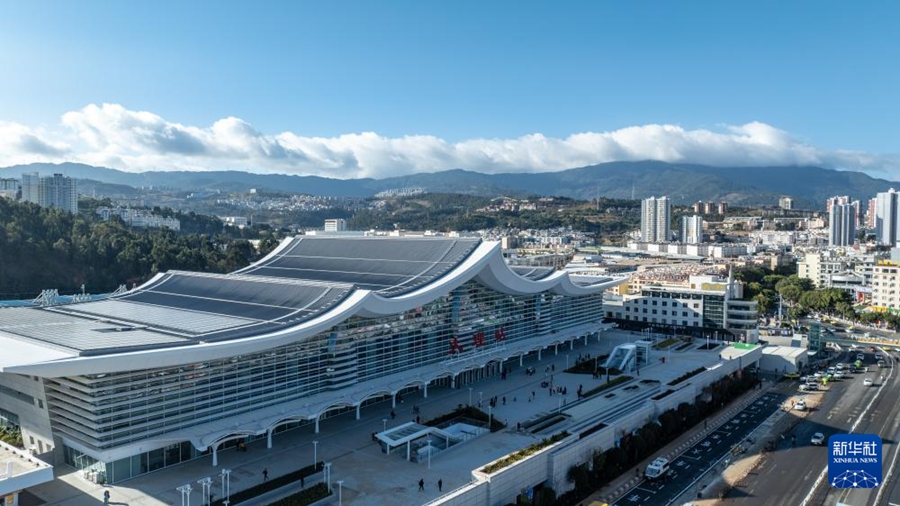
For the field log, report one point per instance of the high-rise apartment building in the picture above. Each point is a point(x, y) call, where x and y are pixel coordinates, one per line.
point(31, 184)
point(692, 229)
point(886, 217)
point(58, 192)
point(9, 188)
point(655, 217)
point(723, 208)
point(835, 200)
point(786, 203)
point(55, 192)
point(842, 224)
point(870, 213)
point(698, 207)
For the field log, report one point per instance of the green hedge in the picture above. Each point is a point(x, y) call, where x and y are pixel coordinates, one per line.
point(665, 344)
point(686, 376)
point(306, 496)
point(268, 486)
point(605, 386)
point(512, 458)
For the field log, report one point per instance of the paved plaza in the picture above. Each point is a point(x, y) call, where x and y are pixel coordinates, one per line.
point(370, 477)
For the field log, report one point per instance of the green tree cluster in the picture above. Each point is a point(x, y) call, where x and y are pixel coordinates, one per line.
point(45, 248)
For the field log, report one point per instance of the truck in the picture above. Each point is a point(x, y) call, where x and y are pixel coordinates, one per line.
point(658, 469)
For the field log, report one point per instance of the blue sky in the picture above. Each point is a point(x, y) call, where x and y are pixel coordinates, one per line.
point(822, 75)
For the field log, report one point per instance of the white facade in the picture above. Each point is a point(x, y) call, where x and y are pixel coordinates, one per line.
point(886, 286)
point(692, 229)
point(786, 203)
point(841, 224)
point(31, 183)
point(709, 302)
point(655, 218)
point(335, 225)
point(886, 222)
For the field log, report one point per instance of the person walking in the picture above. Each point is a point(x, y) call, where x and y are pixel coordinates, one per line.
point(265, 474)
point(440, 485)
point(421, 484)
point(106, 497)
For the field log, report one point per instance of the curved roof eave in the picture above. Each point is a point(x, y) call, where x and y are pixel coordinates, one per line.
point(485, 264)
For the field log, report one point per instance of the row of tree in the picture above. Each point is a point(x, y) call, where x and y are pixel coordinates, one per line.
point(44, 248)
point(633, 448)
point(801, 297)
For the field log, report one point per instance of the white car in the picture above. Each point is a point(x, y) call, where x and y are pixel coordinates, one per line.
point(838, 375)
point(800, 405)
point(818, 439)
point(868, 382)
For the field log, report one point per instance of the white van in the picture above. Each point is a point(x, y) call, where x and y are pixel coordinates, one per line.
point(658, 469)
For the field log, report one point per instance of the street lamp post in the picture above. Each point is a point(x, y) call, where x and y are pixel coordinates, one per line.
point(315, 454)
point(340, 490)
point(206, 483)
point(185, 494)
point(226, 486)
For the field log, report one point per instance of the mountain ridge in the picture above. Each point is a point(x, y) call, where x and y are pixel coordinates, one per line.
point(685, 183)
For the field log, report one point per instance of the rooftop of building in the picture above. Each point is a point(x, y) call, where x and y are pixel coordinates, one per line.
point(307, 285)
point(20, 470)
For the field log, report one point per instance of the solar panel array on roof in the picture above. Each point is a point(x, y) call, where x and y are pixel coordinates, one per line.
point(80, 334)
point(391, 266)
point(532, 273)
point(203, 307)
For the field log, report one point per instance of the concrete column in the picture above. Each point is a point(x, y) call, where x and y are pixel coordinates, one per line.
point(520, 360)
point(215, 455)
point(571, 345)
point(585, 339)
point(269, 439)
point(408, 450)
point(317, 424)
point(539, 353)
point(393, 400)
point(556, 349)
point(453, 381)
point(358, 407)
point(425, 388)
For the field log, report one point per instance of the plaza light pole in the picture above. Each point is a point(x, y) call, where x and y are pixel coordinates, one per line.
point(226, 486)
point(206, 483)
point(340, 489)
point(185, 494)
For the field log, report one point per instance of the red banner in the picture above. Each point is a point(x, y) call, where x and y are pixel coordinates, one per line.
point(455, 346)
point(499, 334)
point(478, 338)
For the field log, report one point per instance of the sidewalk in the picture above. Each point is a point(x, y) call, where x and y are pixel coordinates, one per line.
point(619, 486)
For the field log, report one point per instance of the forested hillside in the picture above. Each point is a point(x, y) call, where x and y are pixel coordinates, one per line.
point(43, 248)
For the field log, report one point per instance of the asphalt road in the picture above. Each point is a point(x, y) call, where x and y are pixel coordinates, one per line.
point(787, 475)
point(691, 464)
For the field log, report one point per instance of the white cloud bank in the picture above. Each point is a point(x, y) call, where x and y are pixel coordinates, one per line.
point(111, 135)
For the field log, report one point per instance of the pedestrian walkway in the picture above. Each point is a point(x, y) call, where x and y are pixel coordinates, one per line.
point(369, 476)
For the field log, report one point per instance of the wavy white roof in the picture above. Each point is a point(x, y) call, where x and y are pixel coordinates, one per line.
point(304, 287)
